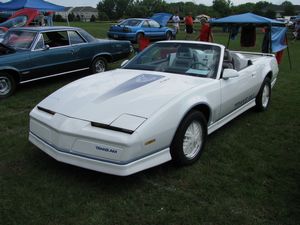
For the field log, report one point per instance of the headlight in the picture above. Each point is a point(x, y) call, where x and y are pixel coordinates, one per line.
point(125, 123)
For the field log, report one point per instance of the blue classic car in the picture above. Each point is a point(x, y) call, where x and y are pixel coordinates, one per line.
point(134, 28)
point(28, 54)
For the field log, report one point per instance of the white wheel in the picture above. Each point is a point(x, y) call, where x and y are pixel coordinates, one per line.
point(189, 140)
point(264, 95)
point(192, 141)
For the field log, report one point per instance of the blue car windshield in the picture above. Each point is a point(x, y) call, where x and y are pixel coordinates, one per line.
point(131, 22)
point(192, 59)
point(19, 39)
point(15, 22)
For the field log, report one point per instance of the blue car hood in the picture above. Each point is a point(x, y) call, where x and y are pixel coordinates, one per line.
point(162, 18)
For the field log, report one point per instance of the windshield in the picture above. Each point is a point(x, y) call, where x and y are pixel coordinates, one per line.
point(131, 22)
point(19, 39)
point(191, 59)
point(15, 22)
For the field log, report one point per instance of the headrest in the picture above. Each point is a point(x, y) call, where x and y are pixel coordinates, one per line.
point(184, 52)
point(227, 56)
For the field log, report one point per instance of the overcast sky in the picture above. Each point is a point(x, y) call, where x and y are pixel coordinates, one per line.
point(206, 2)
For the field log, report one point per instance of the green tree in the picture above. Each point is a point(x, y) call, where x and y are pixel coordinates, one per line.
point(93, 18)
point(289, 9)
point(71, 17)
point(260, 7)
point(102, 16)
point(270, 14)
point(243, 8)
point(114, 9)
point(222, 7)
point(58, 18)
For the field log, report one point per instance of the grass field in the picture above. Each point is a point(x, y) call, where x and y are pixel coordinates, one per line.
point(248, 174)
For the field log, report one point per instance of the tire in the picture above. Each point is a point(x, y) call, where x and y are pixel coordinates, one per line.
point(139, 36)
point(263, 97)
point(168, 35)
point(7, 85)
point(99, 65)
point(192, 132)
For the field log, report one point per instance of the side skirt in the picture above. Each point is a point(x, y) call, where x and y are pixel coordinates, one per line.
point(230, 116)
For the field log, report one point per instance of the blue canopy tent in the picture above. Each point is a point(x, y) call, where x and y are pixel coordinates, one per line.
point(41, 5)
point(277, 28)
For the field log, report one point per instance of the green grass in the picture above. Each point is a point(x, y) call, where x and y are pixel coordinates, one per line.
point(248, 174)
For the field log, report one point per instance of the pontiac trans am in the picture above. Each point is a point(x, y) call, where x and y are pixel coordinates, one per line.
point(33, 53)
point(157, 107)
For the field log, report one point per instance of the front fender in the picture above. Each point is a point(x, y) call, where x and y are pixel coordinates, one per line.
point(9, 68)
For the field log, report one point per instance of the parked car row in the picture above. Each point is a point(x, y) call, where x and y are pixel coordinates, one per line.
point(33, 53)
point(122, 121)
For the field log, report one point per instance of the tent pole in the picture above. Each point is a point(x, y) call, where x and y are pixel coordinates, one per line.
point(288, 50)
point(270, 38)
point(229, 38)
point(67, 16)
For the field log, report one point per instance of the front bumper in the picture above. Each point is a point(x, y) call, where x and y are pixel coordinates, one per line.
point(99, 165)
point(76, 142)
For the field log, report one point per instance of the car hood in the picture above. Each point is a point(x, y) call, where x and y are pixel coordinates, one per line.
point(162, 18)
point(104, 97)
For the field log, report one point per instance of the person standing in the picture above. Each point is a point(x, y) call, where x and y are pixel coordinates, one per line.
point(296, 32)
point(49, 18)
point(176, 21)
point(205, 32)
point(188, 20)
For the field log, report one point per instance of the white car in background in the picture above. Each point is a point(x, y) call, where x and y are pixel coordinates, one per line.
point(159, 106)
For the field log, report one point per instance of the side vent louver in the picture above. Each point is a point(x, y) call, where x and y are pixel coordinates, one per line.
point(104, 126)
point(46, 110)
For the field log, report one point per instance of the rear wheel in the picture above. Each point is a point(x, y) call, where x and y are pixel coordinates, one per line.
point(7, 85)
point(139, 36)
point(168, 35)
point(99, 65)
point(264, 95)
point(189, 140)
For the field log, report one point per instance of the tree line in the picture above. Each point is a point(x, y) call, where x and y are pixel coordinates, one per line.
point(117, 9)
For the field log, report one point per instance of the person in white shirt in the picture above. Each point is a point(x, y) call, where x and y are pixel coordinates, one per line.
point(176, 21)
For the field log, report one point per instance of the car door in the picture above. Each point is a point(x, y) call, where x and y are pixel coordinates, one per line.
point(157, 31)
point(83, 50)
point(147, 29)
point(52, 55)
point(237, 91)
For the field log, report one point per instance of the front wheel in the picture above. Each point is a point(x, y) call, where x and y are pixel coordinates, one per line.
point(99, 65)
point(7, 85)
point(189, 140)
point(264, 95)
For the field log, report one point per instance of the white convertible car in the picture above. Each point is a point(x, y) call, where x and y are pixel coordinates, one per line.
point(159, 106)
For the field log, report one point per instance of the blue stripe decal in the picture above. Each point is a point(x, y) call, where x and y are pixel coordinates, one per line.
point(134, 83)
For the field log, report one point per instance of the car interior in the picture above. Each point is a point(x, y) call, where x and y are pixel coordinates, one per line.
point(234, 60)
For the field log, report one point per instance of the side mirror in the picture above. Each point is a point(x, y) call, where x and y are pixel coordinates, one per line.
point(124, 62)
point(229, 73)
point(46, 47)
